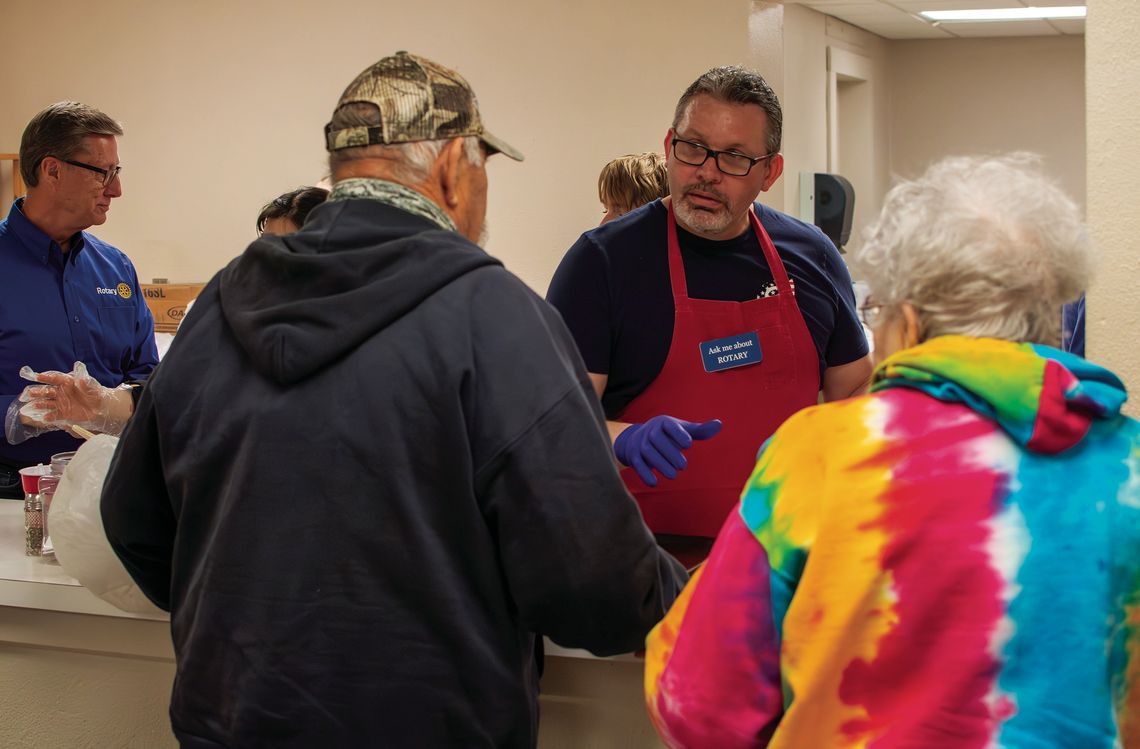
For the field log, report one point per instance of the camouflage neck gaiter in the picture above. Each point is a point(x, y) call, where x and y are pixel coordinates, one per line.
point(397, 196)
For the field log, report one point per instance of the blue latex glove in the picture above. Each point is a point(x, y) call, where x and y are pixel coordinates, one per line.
point(658, 444)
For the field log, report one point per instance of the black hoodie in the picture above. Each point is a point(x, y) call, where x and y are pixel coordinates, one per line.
point(370, 467)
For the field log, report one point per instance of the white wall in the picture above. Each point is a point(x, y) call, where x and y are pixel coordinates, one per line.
point(1113, 44)
point(953, 96)
point(224, 102)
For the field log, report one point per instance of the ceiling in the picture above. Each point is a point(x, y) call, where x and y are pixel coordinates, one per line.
point(899, 19)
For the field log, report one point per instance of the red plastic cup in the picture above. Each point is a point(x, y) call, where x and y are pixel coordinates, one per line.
point(30, 477)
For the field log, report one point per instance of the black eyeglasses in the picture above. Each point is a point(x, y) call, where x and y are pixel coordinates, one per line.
point(108, 174)
point(731, 163)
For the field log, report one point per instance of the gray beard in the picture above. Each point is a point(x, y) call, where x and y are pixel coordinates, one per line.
point(702, 221)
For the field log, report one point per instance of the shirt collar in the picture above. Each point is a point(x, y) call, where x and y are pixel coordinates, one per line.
point(33, 238)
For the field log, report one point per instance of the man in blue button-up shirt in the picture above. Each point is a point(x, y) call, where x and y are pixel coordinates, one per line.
point(66, 296)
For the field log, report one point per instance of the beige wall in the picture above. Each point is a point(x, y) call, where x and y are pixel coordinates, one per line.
point(1113, 80)
point(224, 102)
point(800, 79)
point(990, 95)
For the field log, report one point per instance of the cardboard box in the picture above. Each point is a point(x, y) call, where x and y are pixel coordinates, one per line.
point(167, 302)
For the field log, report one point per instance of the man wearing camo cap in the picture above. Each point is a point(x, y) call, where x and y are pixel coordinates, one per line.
point(374, 465)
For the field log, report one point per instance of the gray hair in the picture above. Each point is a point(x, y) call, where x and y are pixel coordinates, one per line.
point(59, 131)
point(737, 85)
point(409, 163)
point(980, 246)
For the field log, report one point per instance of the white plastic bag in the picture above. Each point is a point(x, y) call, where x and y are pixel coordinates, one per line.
point(76, 528)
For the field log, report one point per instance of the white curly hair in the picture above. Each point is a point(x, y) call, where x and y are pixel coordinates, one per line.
point(984, 246)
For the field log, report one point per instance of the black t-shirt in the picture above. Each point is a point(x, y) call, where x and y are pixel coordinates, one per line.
point(613, 291)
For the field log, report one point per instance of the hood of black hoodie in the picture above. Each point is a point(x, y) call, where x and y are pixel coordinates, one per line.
point(299, 302)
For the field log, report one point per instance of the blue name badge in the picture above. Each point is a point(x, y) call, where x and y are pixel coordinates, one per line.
point(734, 351)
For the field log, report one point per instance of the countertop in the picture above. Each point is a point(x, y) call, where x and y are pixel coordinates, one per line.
point(40, 583)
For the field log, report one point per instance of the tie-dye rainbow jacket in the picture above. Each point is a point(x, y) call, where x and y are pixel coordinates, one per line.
point(950, 561)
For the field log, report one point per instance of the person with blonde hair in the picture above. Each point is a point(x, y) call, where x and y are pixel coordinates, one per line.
point(630, 182)
point(952, 560)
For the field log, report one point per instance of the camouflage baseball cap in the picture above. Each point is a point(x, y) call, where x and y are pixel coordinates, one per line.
point(418, 100)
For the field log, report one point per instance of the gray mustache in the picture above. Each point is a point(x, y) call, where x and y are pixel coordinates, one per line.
point(708, 190)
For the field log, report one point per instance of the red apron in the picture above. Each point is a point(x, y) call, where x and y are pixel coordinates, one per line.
point(751, 400)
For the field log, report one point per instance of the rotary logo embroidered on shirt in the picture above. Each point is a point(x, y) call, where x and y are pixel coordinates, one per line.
point(122, 290)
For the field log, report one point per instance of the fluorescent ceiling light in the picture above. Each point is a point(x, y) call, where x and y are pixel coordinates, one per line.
point(1004, 14)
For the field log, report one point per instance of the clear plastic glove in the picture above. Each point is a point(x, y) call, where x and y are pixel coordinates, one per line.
point(658, 444)
point(62, 400)
point(22, 421)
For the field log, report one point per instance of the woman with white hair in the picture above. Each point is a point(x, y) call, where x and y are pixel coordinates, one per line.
point(952, 560)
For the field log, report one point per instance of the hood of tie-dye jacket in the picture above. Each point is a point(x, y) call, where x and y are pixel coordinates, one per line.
point(1044, 398)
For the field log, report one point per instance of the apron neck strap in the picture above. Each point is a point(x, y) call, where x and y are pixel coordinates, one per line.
point(677, 265)
point(775, 265)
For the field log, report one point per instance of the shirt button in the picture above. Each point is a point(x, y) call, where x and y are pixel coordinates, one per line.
point(77, 318)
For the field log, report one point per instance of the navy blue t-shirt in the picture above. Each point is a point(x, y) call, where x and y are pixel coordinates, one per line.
point(613, 291)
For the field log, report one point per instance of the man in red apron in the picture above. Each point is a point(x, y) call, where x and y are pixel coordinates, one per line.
point(706, 319)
